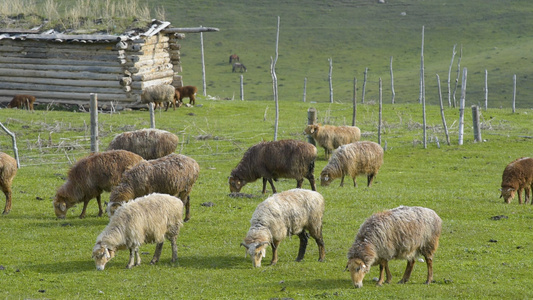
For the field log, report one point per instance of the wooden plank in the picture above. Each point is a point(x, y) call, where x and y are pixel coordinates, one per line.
point(189, 30)
point(138, 86)
point(66, 68)
point(17, 46)
point(100, 38)
point(63, 82)
point(64, 55)
point(39, 61)
point(154, 75)
point(61, 75)
point(59, 88)
point(68, 96)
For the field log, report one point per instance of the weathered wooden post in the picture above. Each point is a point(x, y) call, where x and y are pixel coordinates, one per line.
point(475, 121)
point(364, 86)
point(420, 99)
point(449, 77)
point(152, 114)
point(330, 80)
point(242, 88)
point(442, 112)
point(380, 110)
point(305, 87)
point(462, 108)
point(14, 140)
point(275, 84)
point(354, 114)
point(203, 62)
point(392, 82)
point(486, 89)
point(311, 119)
point(514, 93)
point(94, 122)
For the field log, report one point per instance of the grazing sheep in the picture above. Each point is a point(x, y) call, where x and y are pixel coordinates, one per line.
point(174, 174)
point(20, 101)
point(187, 91)
point(238, 67)
point(400, 233)
point(517, 175)
point(234, 58)
point(331, 137)
point(353, 159)
point(159, 94)
point(285, 214)
point(8, 170)
point(149, 219)
point(90, 176)
point(272, 160)
point(148, 143)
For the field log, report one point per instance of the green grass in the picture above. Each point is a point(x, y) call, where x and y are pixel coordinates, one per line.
point(44, 257)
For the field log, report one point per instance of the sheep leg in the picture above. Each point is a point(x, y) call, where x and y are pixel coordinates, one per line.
point(370, 179)
point(157, 253)
point(304, 237)
point(84, 210)
point(518, 191)
point(271, 185)
point(384, 268)
point(174, 248)
point(187, 209)
point(100, 210)
point(274, 246)
point(429, 262)
point(342, 179)
point(408, 270)
point(134, 252)
point(317, 235)
point(7, 192)
point(299, 183)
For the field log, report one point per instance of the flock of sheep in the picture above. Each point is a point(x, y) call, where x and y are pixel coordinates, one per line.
point(150, 185)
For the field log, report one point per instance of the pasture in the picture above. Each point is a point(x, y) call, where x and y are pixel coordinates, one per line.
point(479, 256)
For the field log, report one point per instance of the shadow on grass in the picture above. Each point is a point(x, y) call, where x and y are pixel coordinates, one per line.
point(318, 284)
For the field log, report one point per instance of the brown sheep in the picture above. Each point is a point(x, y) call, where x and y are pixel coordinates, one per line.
point(8, 170)
point(90, 176)
point(400, 233)
point(148, 143)
point(159, 94)
point(353, 159)
point(273, 160)
point(174, 174)
point(331, 137)
point(517, 175)
point(187, 91)
point(21, 101)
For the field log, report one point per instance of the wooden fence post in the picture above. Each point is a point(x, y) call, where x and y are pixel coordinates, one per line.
point(392, 82)
point(14, 140)
point(449, 77)
point(442, 113)
point(330, 80)
point(354, 114)
point(514, 93)
point(203, 62)
point(152, 114)
point(364, 86)
point(380, 110)
point(462, 108)
point(94, 122)
point(475, 121)
point(305, 87)
point(311, 119)
point(486, 89)
point(242, 88)
point(420, 98)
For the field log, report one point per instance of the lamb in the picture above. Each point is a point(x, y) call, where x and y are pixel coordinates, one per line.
point(401, 233)
point(187, 91)
point(517, 175)
point(8, 170)
point(20, 101)
point(281, 215)
point(148, 143)
point(331, 137)
point(353, 159)
point(174, 174)
point(159, 94)
point(149, 219)
point(272, 160)
point(90, 176)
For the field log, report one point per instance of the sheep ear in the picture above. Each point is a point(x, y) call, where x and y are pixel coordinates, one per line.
point(263, 252)
point(63, 206)
point(106, 254)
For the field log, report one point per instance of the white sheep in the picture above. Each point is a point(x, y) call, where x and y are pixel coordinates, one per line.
point(159, 94)
point(148, 219)
point(331, 137)
point(281, 215)
point(149, 143)
point(353, 159)
point(401, 233)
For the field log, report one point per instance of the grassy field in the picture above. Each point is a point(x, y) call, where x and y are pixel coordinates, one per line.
point(43, 257)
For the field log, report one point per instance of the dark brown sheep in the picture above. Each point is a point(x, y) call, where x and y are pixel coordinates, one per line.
point(273, 160)
point(90, 176)
point(20, 101)
point(148, 143)
point(174, 174)
point(517, 175)
point(8, 170)
point(187, 91)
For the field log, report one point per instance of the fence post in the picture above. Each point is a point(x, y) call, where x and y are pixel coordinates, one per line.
point(311, 119)
point(305, 87)
point(514, 93)
point(354, 114)
point(475, 121)
point(152, 115)
point(242, 88)
point(94, 122)
point(380, 110)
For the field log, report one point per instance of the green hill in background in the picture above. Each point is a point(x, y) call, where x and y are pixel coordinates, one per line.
point(494, 36)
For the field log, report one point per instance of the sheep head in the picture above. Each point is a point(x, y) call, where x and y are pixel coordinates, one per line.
point(507, 194)
point(101, 255)
point(310, 129)
point(325, 179)
point(257, 251)
point(235, 184)
point(61, 205)
point(358, 270)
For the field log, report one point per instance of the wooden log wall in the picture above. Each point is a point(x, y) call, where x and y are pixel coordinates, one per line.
point(68, 72)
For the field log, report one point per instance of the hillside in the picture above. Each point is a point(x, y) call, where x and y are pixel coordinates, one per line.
point(357, 35)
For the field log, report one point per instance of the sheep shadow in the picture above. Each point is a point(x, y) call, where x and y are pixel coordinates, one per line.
point(331, 285)
point(212, 262)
